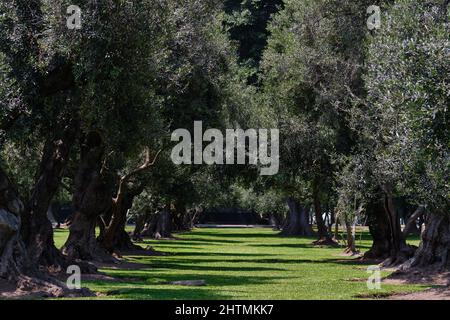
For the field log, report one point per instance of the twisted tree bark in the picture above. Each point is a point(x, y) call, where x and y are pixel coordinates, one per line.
point(297, 222)
point(380, 231)
point(325, 237)
point(91, 198)
point(114, 237)
point(13, 256)
point(37, 230)
point(16, 267)
point(164, 224)
point(399, 250)
point(434, 249)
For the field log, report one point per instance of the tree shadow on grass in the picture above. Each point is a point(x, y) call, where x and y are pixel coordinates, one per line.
point(197, 267)
point(287, 245)
point(194, 257)
point(304, 246)
point(167, 294)
point(209, 241)
point(190, 241)
point(233, 235)
point(256, 261)
point(342, 261)
point(351, 261)
point(211, 279)
point(212, 254)
point(228, 258)
point(164, 248)
point(149, 286)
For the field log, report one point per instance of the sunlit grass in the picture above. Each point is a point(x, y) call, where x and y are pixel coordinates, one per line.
point(242, 264)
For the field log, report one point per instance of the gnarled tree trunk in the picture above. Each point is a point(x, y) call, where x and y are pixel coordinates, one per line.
point(434, 249)
point(389, 243)
point(324, 236)
point(37, 231)
point(159, 225)
point(399, 250)
point(179, 216)
point(163, 226)
point(183, 219)
point(140, 225)
point(150, 225)
point(297, 222)
point(380, 231)
point(91, 198)
point(115, 239)
point(190, 218)
point(15, 265)
point(278, 220)
point(350, 227)
point(13, 256)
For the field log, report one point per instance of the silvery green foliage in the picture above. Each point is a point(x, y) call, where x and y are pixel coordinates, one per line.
point(103, 74)
point(405, 124)
point(311, 72)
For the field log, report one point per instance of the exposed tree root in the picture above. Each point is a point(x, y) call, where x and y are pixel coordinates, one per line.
point(434, 250)
point(20, 274)
point(351, 252)
point(326, 241)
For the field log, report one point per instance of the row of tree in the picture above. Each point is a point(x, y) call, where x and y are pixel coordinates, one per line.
point(364, 116)
point(86, 115)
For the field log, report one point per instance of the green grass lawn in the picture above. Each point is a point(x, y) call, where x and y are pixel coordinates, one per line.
point(241, 264)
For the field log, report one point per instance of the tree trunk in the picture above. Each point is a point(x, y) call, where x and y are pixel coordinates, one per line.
point(351, 237)
point(336, 228)
point(115, 239)
point(332, 221)
point(400, 251)
point(190, 219)
point(159, 225)
point(91, 198)
point(164, 224)
point(15, 265)
point(277, 220)
point(183, 219)
point(179, 216)
point(150, 225)
point(324, 236)
point(13, 255)
point(380, 231)
point(297, 223)
point(37, 230)
point(141, 221)
point(434, 249)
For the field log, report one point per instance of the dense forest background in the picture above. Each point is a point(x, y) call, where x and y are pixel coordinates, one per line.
point(86, 117)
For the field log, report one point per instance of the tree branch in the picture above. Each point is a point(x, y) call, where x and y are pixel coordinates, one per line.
point(124, 179)
point(419, 211)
